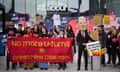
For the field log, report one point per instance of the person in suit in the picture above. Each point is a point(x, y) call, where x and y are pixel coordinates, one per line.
point(82, 38)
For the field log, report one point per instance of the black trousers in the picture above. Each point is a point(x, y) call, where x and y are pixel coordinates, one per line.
point(109, 54)
point(8, 62)
point(80, 51)
point(62, 65)
point(118, 54)
point(114, 55)
point(109, 57)
point(103, 59)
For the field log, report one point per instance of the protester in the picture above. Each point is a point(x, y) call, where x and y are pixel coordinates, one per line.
point(82, 38)
point(56, 29)
point(118, 52)
point(108, 45)
point(28, 33)
point(35, 29)
point(118, 49)
point(11, 31)
point(20, 33)
point(44, 34)
point(114, 45)
point(70, 33)
point(51, 33)
point(62, 65)
point(102, 39)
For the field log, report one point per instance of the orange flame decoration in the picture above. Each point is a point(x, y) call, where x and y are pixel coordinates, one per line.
point(98, 52)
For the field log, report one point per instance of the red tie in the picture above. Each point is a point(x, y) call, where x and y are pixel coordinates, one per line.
point(83, 34)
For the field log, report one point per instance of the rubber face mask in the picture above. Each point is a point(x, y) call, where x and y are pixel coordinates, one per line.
point(82, 24)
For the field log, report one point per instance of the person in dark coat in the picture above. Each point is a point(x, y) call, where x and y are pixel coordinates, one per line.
point(11, 32)
point(102, 39)
point(20, 33)
point(44, 34)
point(62, 65)
point(70, 33)
point(118, 52)
point(118, 49)
point(114, 45)
point(108, 45)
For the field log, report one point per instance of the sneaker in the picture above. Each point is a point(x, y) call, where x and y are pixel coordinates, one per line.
point(41, 68)
point(64, 68)
point(104, 65)
point(46, 68)
point(31, 68)
point(78, 69)
point(114, 65)
point(118, 63)
point(7, 68)
point(86, 69)
point(25, 68)
point(108, 62)
point(14, 68)
point(59, 68)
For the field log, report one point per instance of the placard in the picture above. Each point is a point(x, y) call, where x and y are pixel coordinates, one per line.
point(106, 19)
point(93, 46)
point(98, 19)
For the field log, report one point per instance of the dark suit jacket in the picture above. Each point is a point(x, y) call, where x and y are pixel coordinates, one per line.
point(80, 40)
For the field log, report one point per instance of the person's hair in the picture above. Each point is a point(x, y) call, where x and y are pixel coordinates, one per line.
point(101, 26)
point(70, 28)
point(39, 15)
point(45, 29)
point(119, 28)
point(20, 25)
point(25, 30)
point(114, 27)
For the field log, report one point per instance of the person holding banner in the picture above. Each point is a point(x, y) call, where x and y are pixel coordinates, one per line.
point(70, 33)
point(44, 33)
point(19, 33)
point(35, 31)
point(11, 32)
point(28, 33)
point(82, 38)
point(63, 65)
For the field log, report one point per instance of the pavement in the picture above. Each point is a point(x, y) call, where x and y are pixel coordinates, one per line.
point(71, 67)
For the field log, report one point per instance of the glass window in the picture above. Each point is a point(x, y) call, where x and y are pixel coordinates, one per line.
point(42, 6)
point(20, 6)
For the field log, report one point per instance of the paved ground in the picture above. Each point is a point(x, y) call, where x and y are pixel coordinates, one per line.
point(72, 67)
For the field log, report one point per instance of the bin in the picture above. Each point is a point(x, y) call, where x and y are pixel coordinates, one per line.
point(96, 63)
